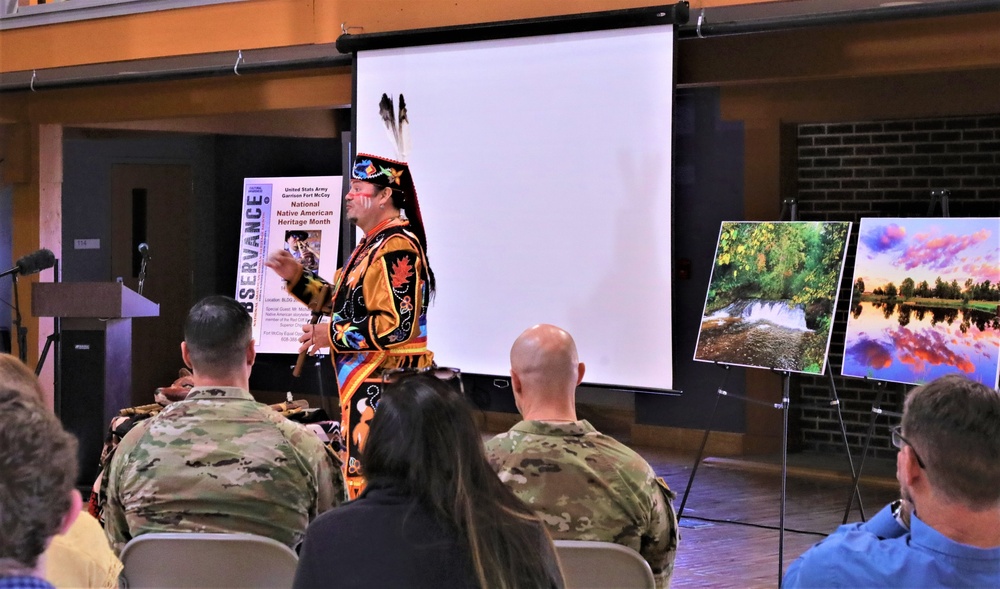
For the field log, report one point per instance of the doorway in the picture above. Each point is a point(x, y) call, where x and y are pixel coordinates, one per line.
point(151, 203)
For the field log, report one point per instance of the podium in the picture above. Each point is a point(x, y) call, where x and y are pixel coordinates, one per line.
point(94, 358)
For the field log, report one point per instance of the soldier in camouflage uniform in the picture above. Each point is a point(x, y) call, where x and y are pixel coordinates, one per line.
point(219, 461)
point(583, 484)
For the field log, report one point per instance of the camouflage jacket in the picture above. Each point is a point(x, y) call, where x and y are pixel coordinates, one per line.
point(218, 461)
point(588, 486)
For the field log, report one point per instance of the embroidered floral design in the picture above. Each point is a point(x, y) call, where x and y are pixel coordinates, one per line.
point(402, 270)
point(364, 169)
point(398, 335)
point(347, 335)
point(392, 174)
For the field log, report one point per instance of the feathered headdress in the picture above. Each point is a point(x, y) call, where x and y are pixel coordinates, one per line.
point(396, 173)
point(398, 128)
point(393, 173)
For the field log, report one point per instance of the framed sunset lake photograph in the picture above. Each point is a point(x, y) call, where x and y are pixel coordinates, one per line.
point(925, 300)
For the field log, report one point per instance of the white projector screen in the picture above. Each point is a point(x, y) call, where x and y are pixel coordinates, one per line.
point(543, 170)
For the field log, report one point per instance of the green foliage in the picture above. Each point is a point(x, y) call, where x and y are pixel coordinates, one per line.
point(800, 262)
point(823, 323)
point(970, 291)
point(906, 287)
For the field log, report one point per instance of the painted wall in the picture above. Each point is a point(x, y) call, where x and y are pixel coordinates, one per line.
point(87, 166)
point(708, 189)
point(219, 164)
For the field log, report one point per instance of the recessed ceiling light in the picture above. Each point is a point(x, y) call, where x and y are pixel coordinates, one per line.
point(902, 3)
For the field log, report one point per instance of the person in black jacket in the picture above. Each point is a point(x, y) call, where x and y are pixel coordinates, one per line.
point(434, 514)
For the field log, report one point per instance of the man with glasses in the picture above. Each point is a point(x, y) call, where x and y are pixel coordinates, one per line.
point(945, 529)
point(583, 484)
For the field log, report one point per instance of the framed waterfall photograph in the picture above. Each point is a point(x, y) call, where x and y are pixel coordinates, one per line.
point(925, 301)
point(772, 295)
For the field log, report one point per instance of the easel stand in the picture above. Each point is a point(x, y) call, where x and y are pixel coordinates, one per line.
point(939, 198)
point(789, 207)
point(876, 411)
point(783, 406)
point(855, 473)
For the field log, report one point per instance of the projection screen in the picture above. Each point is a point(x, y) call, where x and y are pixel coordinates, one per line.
point(543, 169)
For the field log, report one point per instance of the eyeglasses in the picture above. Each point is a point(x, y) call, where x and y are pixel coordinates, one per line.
point(445, 373)
point(898, 440)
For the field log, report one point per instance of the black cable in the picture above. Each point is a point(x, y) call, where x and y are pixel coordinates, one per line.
point(752, 525)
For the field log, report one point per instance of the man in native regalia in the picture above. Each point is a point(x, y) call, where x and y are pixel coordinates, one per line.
point(377, 302)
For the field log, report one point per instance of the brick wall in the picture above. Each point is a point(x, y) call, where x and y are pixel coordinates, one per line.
point(846, 171)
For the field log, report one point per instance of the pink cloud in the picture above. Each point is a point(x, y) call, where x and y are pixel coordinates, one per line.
point(939, 252)
point(981, 272)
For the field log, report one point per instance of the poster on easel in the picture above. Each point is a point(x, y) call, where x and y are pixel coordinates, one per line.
point(925, 300)
point(772, 295)
point(302, 216)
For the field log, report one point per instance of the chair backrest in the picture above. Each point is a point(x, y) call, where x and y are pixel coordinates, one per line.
point(602, 565)
point(191, 559)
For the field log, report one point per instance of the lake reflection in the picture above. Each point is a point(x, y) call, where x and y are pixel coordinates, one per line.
point(915, 344)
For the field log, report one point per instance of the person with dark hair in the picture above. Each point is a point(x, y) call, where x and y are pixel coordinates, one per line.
point(944, 531)
point(378, 300)
point(433, 514)
point(218, 461)
point(38, 470)
point(583, 484)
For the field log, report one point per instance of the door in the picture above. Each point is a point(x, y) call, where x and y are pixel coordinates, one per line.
point(151, 203)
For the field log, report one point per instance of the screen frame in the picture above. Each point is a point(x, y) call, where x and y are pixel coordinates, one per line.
point(599, 21)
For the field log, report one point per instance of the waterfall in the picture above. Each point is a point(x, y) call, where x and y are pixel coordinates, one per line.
point(777, 312)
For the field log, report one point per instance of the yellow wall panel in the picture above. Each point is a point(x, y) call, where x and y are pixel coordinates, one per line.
point(205, 29)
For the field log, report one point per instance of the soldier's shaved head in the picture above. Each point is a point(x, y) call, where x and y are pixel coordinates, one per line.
point(545, 371)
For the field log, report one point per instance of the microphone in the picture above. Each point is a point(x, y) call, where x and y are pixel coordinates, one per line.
point(144, 252)
point(32, 263)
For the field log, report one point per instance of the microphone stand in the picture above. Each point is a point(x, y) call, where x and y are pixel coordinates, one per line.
point(53, 338)
point(142, 271)
point(20, 331)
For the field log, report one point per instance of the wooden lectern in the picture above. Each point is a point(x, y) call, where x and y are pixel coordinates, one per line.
point(94, 362)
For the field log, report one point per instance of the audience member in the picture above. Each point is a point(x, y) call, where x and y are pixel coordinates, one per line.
point(218, 461)
point(433, 513)
point(945, 530)
point(38, 468)
point(80, 557)
point(583, 484)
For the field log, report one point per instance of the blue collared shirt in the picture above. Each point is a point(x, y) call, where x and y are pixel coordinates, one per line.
point(24, 582)
point(882, 553)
